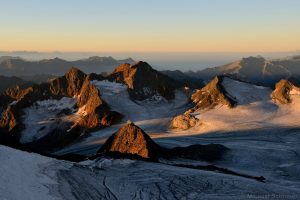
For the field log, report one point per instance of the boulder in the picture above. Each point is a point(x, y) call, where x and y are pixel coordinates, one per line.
point(184, 121)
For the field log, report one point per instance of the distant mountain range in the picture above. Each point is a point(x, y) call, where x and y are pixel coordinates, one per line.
point(257, 70)
point(17, 66)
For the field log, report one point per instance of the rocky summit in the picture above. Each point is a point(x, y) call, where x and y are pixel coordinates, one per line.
point(133, 141)
point(282, 91)
point(211, 95)
point(143, 81)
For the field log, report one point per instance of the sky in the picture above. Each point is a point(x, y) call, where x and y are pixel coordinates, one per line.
point(150, 26)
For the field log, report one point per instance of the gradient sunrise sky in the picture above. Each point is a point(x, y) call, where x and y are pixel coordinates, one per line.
point(150, 26)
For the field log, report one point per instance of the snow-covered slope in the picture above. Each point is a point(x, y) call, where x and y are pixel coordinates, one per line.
point(46, 116)
point(30, 176)
point(117, 97)
point(245, 93)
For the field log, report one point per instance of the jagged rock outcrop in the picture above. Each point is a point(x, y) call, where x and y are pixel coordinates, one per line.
point(211, 95)
point(184, 121)
point(282, 91)
point(8, 120)
point(143, 81)
point(13, 94)
point(68, 85)
point(16, 93)
point(130, 141)
point(94, 112)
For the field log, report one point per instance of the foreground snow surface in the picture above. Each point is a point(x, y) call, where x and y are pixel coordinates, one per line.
point(31, 176)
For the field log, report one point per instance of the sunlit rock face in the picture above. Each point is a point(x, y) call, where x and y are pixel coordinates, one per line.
point(211, 95)
point(183, 122)
point(131, 140)
point(283, 91)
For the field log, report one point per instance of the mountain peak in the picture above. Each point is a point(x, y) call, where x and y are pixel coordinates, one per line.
point(143, 81)
point(282, 91)
point(211, 95)
point(131, 140)
point(75, 71)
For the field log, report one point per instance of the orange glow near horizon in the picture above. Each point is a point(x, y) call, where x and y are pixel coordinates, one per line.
point(153, 26)
point(154, 44)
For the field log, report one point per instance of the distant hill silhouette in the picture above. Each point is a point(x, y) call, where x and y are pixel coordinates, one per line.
point(16, 66)
point(257, 70)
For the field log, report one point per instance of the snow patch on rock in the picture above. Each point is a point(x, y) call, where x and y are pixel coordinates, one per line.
point(43, 117)
point(109, 88)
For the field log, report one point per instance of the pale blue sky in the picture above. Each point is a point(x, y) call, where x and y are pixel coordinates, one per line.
point(141, 26)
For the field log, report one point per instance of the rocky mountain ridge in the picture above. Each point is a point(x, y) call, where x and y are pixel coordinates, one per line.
point(92, 111)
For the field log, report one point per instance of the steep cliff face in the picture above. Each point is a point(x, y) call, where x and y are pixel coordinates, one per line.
point(143, 81)
point(96, 113)
point(282, 91)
